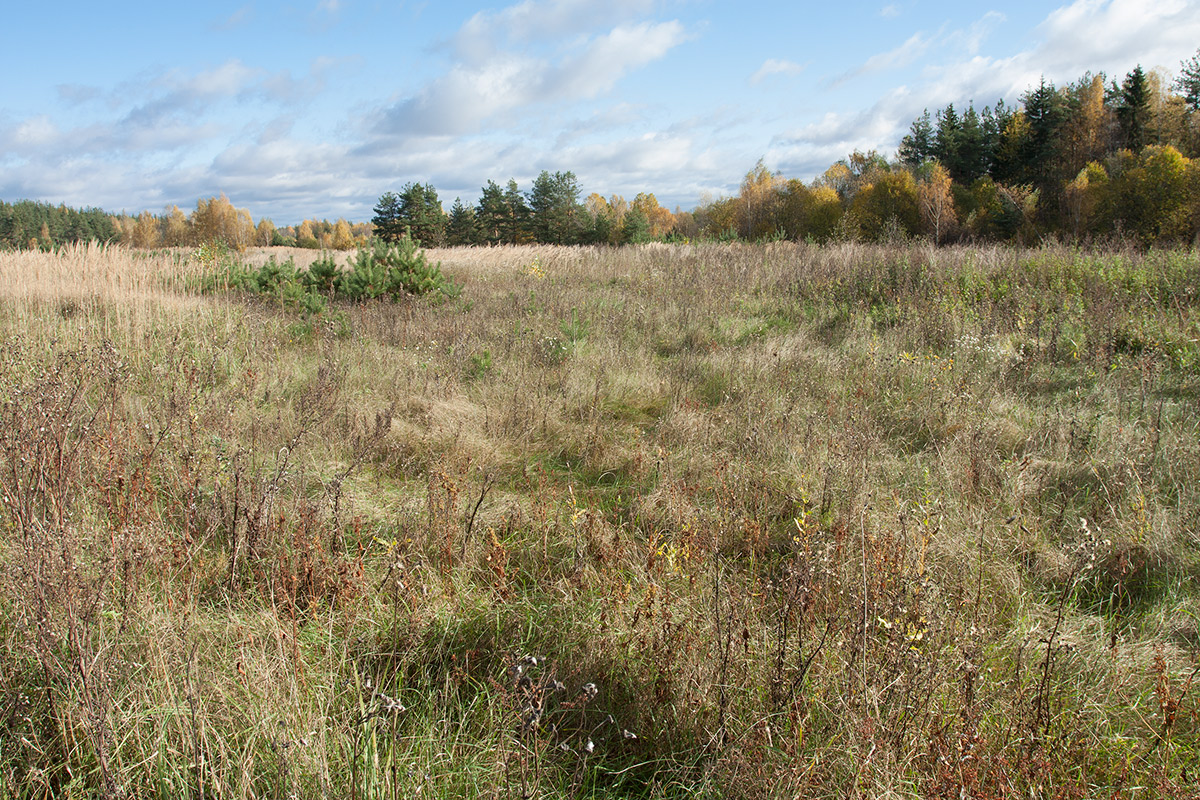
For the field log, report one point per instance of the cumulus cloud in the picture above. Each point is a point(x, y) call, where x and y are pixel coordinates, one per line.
point(1115, 34)
point(176, 110)
point(608, 58)
point(470, 93)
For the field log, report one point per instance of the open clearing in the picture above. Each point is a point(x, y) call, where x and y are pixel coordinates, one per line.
point(664, 521)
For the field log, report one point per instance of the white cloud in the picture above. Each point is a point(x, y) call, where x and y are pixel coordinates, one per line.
point(610, 57)
point(227, 79)
point(1114, 35)
point(967, 41)
point(459, 101)
point(775, 66)
point(33, 132)
point(179, 94)
point(646, 155)
point(890, 11)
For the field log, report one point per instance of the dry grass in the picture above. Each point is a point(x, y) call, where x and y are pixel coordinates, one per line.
point(840, 522)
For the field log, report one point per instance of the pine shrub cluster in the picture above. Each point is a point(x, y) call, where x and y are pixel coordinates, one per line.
point(382, 269)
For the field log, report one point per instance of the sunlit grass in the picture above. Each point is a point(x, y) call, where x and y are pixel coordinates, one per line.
point(819, 522)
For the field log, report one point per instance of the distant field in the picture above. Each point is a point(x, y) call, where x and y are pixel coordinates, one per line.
point(659, 521)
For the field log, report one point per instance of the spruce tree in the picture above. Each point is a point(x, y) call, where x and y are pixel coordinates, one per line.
point(1133, 109)
point(1188, 82)
point(1046, 112)
point(973, 158)
point(947, 140)
point(917, 145)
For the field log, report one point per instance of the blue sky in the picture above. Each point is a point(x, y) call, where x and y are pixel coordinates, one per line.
point(314, 108)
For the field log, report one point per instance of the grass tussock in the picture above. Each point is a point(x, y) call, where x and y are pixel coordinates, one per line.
point(667, 521)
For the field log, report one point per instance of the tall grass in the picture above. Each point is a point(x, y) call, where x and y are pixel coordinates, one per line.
point(663, 521)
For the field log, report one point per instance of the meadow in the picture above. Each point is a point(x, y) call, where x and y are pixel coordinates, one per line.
point(666, 521)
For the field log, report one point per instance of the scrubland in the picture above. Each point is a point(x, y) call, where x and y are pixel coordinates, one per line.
point(666, 521)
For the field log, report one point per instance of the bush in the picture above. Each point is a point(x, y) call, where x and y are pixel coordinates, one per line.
point(395, 270)
point(379, 270)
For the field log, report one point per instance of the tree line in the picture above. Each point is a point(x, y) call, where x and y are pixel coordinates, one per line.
point(1095, 159)
point(1091, 160)
point(550, 213)
point(216, 219)
point(30, 224)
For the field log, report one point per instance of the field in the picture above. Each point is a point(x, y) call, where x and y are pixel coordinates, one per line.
point(659, 521)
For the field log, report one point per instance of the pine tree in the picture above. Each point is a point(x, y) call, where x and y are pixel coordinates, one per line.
point(461, 229)
point(554, 208)
point(635, 228)
point(421, 214)
point(516, 227)
point(491, 215)
point(388, 221)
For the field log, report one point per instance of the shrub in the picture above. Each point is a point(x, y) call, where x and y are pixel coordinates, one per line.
point(379, 270)
point(395, 270)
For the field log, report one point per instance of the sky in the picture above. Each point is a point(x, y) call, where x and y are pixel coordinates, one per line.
point(301, 109)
